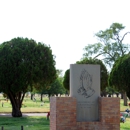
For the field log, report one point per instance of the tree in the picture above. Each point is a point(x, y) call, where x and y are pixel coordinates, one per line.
point(128, 94)
point(110, 45)
point(103, 69)
point(56, 87)
point(66, 81)
point(24, 63)
point(40, 89)
point(119, 75)
point(104, 74)
point(110, 91)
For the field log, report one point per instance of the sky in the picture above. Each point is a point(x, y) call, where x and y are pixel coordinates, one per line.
point(67, 26)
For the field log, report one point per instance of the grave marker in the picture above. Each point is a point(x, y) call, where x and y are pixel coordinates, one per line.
point(85, 87)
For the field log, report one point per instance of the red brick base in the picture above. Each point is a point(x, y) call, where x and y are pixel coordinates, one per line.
point(63, 115)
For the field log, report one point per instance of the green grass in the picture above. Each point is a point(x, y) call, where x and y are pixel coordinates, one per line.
point(37, 123)
point(28, 105)
point(29, 123)
point(122, 107)
point(126, 125)
point(31, 106)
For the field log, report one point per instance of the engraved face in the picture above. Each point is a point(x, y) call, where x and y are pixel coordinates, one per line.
point(85, 84)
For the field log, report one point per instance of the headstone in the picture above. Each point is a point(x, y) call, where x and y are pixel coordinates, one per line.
point(85, 87)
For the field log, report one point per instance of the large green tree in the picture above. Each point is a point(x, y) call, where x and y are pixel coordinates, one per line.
point(119, 75)
point(104, 73)
point(24, 63)
point(110, 46)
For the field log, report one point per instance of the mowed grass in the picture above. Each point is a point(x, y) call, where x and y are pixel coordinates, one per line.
point(122, 107)
point(37, 106)
point(28, 105)
point(31, 106)
point(38, 123)
point(126, 125)
point(28, 123)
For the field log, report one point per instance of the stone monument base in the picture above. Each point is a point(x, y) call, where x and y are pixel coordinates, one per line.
point(63, 115)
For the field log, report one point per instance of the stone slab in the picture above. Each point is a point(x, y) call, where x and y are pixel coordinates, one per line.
point(85, 87)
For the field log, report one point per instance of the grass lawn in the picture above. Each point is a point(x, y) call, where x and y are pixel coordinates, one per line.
point(126, 125)
point(28, 123)
point(122, 107)
point(31, 106)
point(37, 123)
point(28, 105)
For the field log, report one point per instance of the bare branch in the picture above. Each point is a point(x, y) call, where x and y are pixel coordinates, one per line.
point(104, 53)
point(124, 36)
point(111, 56)
point(120, 42)
point(99, 55)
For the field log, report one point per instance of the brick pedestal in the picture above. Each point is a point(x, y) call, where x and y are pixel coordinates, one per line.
point(63, 115)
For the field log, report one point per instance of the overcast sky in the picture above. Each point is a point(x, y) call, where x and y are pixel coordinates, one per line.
point(66, 25)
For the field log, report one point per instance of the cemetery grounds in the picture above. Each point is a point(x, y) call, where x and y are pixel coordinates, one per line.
point(37, 122)
point(28, 106)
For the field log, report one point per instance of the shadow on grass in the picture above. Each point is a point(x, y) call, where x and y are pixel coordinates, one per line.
point(33, 123)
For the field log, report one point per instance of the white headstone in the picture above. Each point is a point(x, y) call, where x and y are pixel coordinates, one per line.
point(85, 87)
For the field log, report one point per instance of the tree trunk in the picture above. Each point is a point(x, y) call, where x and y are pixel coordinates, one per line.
point(122, 95)
point(125, 99)
point(41, 97)
point(103, 94)
point(31, 96)
point(16, 102)
point(117, 94)
point(16, 112)
point(109, 95)
point(49, 96)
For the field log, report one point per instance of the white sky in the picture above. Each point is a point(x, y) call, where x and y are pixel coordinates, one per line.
point(66, 25)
